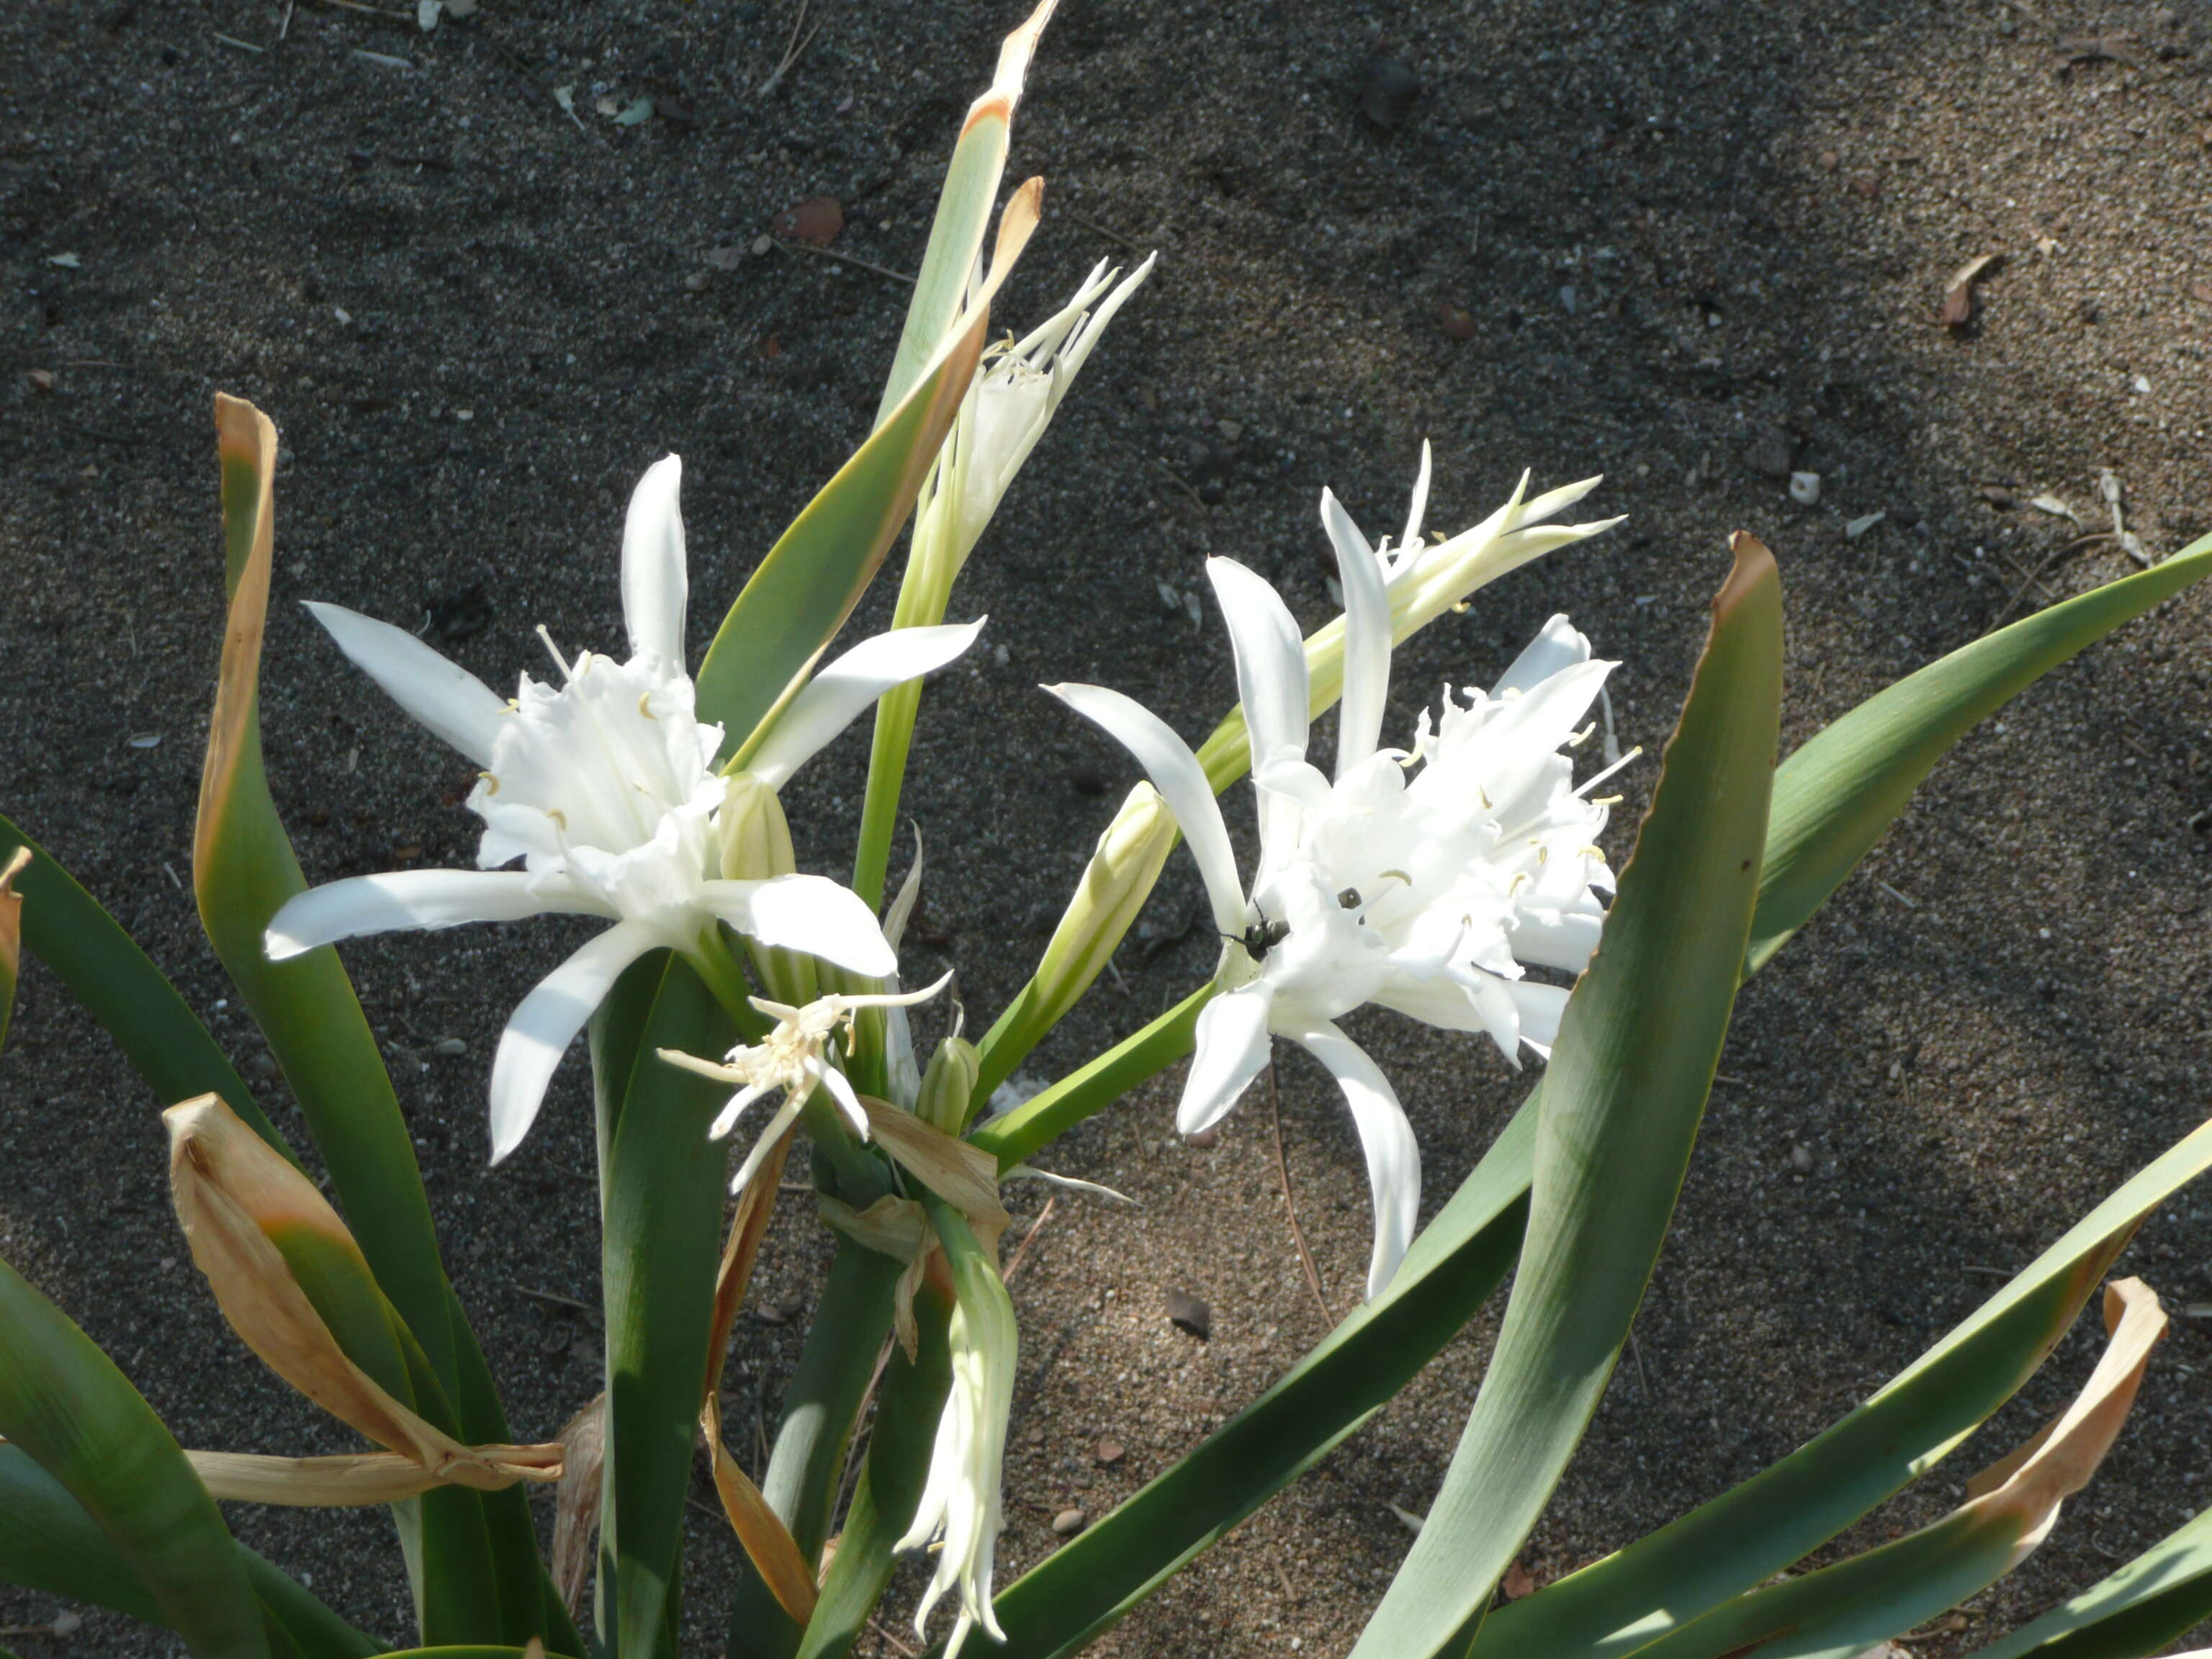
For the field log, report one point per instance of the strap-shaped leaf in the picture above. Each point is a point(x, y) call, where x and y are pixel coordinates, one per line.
point(64, 1404)
point(2163, 1592)
point(243, 872)
point(1621, 1103)
point(1835, 796)
point(814, 575)
point(66, 929)
point(1842, 1610)
point(49, 1544)
point(664, 1214)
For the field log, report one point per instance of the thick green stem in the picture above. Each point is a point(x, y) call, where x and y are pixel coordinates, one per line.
point(1133, 1060)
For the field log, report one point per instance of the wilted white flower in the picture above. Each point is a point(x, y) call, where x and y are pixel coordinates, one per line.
point(1426, 894)
point(604, 786)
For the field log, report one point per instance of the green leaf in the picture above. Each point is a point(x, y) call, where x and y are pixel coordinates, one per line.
point(48, 1543)
point(2162, 1594)
point(65, 1405)
point(1835, 796)
point(65, 927)
point(810, 581)
point(663, 1214)
point(1622, 1099)
point(11, 931)
point(243, 872)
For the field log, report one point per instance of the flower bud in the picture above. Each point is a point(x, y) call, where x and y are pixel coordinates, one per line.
point(948, 1085)
point(1115, 883)
point(751, 836)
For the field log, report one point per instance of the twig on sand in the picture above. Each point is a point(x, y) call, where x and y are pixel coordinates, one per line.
point(1289, 1204)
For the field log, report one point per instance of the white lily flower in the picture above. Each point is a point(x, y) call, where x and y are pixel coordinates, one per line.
point(605, 786)
point(795, 1058)
point(961, 1502)
point(1426, 896)
point(1016, 391)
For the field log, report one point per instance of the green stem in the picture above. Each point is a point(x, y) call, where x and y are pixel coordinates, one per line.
point(1129, 1062)
point(924, 592)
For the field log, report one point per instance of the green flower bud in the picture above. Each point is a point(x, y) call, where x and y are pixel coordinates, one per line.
point(751, 836)
point(947, 1085)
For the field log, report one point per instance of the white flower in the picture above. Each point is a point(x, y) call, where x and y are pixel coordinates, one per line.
point(1425, 896)
point(795, 1058)
point(960, 1501)
point(1008, 408)
point(606, 788)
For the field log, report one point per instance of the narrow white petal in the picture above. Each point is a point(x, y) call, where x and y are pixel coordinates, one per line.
point(766, 1144)
point(1556, 646)
point(902, 911)
point(1393, 1160)
point(655, 578)
point(1271, 660)
point(547, 1022)
point(727, 1119)
point(1366, 638)
point(842, 692)
point(451, 703)
point(842, 1092)
point(1541, 1008)
point(1232, 1048)
point(1176, 773)
point(416, 898)
point(811, 914)
point(1418, 510)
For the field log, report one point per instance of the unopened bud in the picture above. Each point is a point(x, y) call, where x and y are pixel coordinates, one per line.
point(948, 1085)
point(1115, 883)
point(751, 836)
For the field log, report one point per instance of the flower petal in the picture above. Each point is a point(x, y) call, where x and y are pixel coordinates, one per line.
point(842, 693)
point(655, 579)
point(1417, 510)
point(1271, 660)
point(1176, 773)
point(1366, 638)
point(1394, 1160)
point(1232, 1046)
point(811, 914)
point(1542, 1007)
point(416, 898)
point(1557, 646)
point(451, 703)
point(546, 1022)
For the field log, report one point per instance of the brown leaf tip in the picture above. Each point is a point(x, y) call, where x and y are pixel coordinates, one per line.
point(1754, 565)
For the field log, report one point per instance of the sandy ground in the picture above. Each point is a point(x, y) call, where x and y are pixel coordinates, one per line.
point(1693, 245)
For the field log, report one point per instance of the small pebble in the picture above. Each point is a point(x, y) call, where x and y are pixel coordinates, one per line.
point(1830, 160)
point(696, 283)
point(1804, 488)
point(1068, 1523)
point(1111, 1452)
point(1456, 321)
point(762, 244)
point(1388, 88)
point(1801, 1158)
point(1191, 1313)
point(1569, 298)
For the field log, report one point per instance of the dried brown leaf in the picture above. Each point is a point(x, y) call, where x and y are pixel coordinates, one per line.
point(768, 1543)
point(576, 1501)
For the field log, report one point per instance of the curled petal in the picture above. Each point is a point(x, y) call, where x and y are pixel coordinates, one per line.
point(1366, 638)
point(1556, 646)
point(546, 1023)
point(1393, 1160)
point(1176, 773)
point(1232, 1048)
point(403, 899)
point(1271, 660)
point(811, 914)
point(655, 578)
point(842, 692)
point(452, 704)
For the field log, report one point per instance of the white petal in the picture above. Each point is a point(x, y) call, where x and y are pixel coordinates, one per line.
point(1271, 660)
point(1418, 510)
point(416, 898)
point(902, 911)
point(1232, 1046)
point(768, 1136)
point(842, 693)
point(842, 1092)
point(1393, 1160)
point(1176, 773)
point(655, 580)
point(1366, 638)
point(727, 1119)
point(453, 704)
point(805, 913)
point(1557, 646)
point(1542, 1007)
point(547, 1022)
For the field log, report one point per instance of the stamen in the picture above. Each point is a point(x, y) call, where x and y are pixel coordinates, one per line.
point(1582, 736)
point(554, 651)
point(643, 697)
point(1607, 800)
point(559, 819)
point(1601, 777)
point(490, 781)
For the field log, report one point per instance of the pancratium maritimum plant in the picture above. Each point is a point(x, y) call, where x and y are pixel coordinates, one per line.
point(1461, 880)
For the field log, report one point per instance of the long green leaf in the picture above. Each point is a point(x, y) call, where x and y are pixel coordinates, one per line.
point(1835, 796)
point(1622, 1099)
point(2156, 1598)
point(67, 1406)
point(243, 872)
point(66, 929)
point(664, 1214)
point(1095, 1578)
